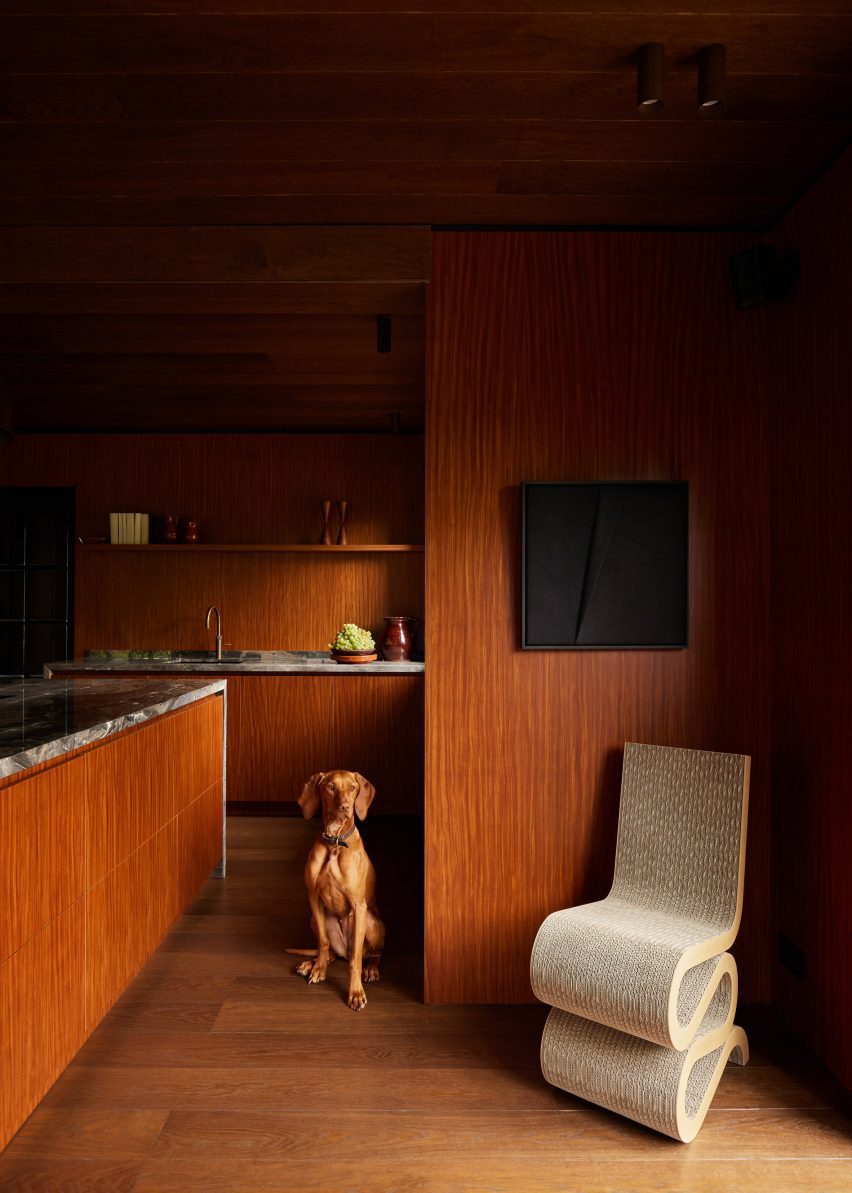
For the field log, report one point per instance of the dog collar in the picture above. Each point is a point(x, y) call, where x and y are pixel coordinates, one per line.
point(341, 841)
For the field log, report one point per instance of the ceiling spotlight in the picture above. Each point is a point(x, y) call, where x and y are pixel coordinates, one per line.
point(712, 70)
point(649, 81)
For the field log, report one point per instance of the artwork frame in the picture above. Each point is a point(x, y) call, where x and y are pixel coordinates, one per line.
point(604, 565)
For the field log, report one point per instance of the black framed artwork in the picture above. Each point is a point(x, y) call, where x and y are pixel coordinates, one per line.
point(604, 565)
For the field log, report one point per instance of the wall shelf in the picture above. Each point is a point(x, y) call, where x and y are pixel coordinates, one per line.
point(202, 548)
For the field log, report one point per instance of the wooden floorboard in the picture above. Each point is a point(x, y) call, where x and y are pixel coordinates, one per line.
point(219, 1069)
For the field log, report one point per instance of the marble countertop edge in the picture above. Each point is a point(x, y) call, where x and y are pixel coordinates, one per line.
point(128, 714)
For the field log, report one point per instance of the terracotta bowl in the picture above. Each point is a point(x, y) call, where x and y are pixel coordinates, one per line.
point(354, 656)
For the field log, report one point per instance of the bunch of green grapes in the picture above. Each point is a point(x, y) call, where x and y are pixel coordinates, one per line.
point(352, 637)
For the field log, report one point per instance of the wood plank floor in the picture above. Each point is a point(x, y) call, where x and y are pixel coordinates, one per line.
point(220, 1069)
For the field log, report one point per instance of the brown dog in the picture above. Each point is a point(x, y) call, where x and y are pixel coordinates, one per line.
point(341, 883)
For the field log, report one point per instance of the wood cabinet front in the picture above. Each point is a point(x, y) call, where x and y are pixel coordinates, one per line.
point(290, 727)
point(282, 735)
point(378, 731)
point(99, 853)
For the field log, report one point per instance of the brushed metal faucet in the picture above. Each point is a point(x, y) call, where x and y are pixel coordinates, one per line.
point(215, 609)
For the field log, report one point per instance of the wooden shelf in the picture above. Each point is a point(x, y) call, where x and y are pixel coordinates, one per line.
point(200, 548)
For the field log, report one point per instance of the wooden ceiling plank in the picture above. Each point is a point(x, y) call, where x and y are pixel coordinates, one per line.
point(417, 41)
point(181, 298)
point(423, 96)
point(463, 178)
point(207, 254)
point(31, 217)
point(231, 153)
point(452, 7)
point(404, 393)
point(133, 406)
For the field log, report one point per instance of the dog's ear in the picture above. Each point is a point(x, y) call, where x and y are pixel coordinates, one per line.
point(364, 798)
point(310, 797)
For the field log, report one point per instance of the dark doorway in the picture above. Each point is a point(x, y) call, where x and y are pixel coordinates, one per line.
point(36, 578)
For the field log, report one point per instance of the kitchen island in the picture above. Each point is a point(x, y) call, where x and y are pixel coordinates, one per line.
point(111, 798)
point(293, 713)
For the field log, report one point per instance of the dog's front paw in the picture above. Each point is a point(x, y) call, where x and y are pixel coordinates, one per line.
point(357, 999)
point(370, 973)
point(314, 971)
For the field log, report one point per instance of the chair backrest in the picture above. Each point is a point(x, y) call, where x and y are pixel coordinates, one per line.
point(681, 832)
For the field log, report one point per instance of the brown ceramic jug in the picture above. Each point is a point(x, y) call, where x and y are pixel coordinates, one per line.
point(399, 635)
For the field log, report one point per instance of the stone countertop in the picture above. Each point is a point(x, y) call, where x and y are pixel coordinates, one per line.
point(237, 662)
point(42, 719)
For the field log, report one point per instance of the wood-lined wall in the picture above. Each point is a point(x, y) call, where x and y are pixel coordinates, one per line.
point(811, 573)
point(243, 489)
point(99, 854)
point(577, 356)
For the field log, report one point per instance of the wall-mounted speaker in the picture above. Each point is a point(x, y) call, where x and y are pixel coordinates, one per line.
point(762, 274)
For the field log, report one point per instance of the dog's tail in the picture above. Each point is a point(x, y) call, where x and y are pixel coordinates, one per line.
point(303, 952)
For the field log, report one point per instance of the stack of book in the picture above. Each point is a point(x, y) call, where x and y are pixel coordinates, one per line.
point(128, 528)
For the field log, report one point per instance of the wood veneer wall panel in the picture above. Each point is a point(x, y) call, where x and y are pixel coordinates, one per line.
point(41, 860)
point(42, 1014)
point(558, 356)
point(378, 731)
point(267, 602)
point(243, 489)
point(811, 572)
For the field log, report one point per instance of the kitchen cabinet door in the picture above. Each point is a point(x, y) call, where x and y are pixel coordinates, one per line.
point(283, 734)
point(378, 731)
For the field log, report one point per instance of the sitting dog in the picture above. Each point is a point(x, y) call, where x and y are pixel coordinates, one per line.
point(341, 883)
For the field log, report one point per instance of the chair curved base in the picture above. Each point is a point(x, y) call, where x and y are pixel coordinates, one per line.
point(666, 1090)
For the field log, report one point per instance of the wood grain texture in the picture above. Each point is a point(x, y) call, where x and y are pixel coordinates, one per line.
point(713, 210)
point(411, 41)
point(213, 255)
point(154, 867)
point(234, 114)
point(127, 913)
point(220, 298)
point(580, 357)
point(42, 865)
point(378, 731)
point(145, 779)
point(158, 1099)
point(284, 736)
point(422, 95)
point(42, 1014)
point(242, 489)
point(811, 571)
point(199, 843)
point(102, 850)
point(291, 727)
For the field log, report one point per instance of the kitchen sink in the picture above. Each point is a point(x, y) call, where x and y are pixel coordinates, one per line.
point(174, 656)
point(209, 656)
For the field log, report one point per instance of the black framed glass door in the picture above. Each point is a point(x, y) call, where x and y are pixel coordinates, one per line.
point(36, 578)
